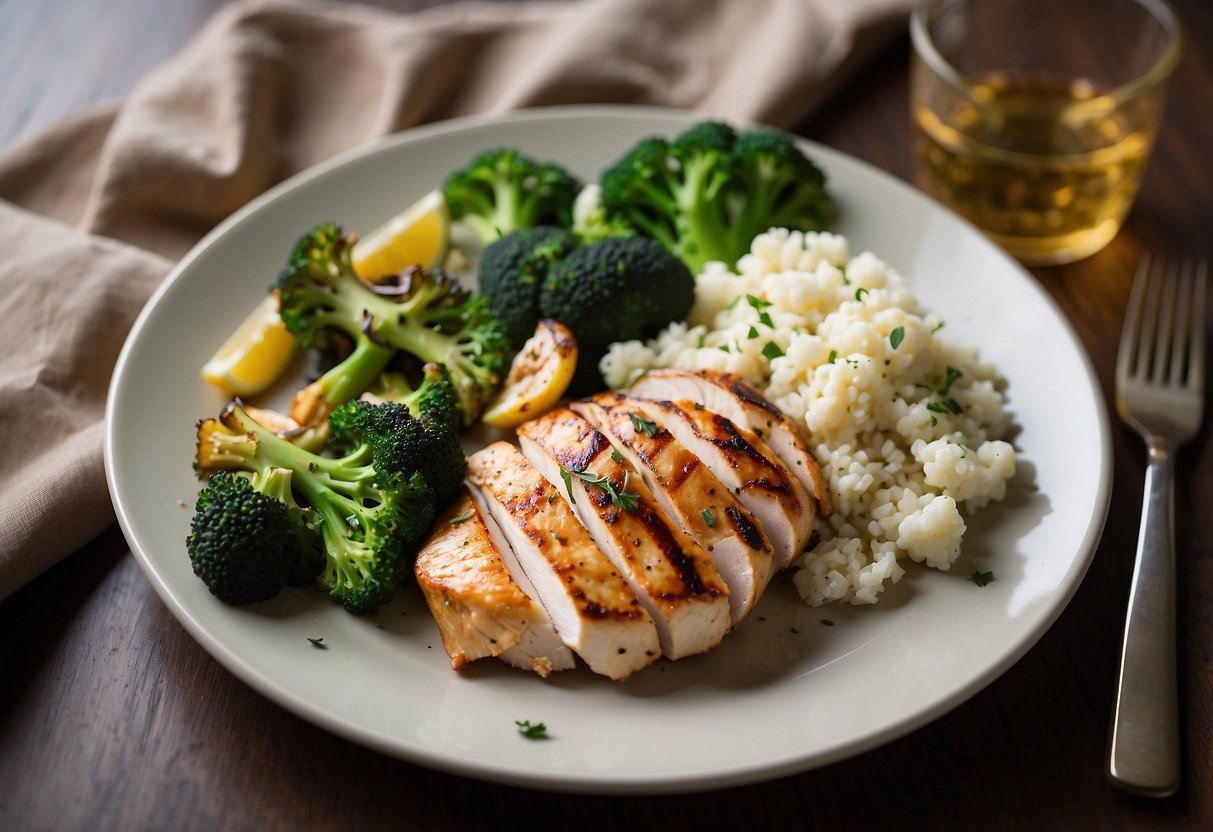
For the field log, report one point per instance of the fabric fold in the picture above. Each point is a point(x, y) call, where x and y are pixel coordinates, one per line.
point(96, 209)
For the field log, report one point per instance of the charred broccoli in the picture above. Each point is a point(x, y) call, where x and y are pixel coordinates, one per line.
point(368, 507)
point(424, 314)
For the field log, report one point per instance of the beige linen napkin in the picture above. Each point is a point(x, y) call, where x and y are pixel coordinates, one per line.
point(94, 211)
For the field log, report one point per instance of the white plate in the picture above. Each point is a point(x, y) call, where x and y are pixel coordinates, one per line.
point(783, 694)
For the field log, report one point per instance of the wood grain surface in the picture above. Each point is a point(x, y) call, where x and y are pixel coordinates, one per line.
point(112, 717)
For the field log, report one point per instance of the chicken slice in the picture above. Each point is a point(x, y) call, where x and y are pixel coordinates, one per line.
point(736, 400)
point(672, 575)
point(479, 608)
point(592, 607)
point(695, 498)
point(741, 461)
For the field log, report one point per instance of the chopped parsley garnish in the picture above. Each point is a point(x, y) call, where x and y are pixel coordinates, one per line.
point(753, 333)
point(897, 336)
point(643, 425)
point(952, 375)
point(723, 348)
point(532, 730)
point(771, 351)
point(981, 578)
point(760, 306)
point(616, 456)
point(708, 516)
point(945, 406)
point(860, 292)
point(624, 499)
point(551, 498)
point(462, 518)
point(318, 643)
point(832, 357)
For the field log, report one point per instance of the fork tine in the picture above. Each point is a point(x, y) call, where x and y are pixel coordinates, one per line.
point(1147, 312)
point(1162, 316)
point(1196, 363)
point(1179, 299)
point(1126, 357)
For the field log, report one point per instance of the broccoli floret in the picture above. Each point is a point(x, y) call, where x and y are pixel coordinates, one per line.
point(616, 289)
point(774, 186)
point(512, 270)
point(708, 193)
point(501, 191)
point(433, 401)
point(427, 442)
point(367, 510)
point(248, 538)
point(421, 313)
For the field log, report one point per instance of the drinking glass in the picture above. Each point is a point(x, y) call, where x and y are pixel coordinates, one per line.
point(1037, 126)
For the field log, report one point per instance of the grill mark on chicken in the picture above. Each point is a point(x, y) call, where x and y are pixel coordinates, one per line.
point(742, 525)
point(674, 577)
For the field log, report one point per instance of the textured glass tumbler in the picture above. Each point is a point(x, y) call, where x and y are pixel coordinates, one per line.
point(1039, 133)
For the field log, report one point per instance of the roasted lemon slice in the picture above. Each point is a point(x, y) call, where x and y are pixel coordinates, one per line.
point(254, 356)
point(418, 235)
point(538, 377)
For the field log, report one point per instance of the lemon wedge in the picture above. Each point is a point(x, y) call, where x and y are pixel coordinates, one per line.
point(254, 356)
point(538, 377)
point(418, 235)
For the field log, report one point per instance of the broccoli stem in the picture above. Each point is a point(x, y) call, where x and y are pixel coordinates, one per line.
point(356, 373)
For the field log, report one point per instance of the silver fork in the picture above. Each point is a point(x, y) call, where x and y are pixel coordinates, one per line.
point(1160, 393)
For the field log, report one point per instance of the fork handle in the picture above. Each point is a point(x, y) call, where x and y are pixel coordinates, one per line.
point(1143, 747)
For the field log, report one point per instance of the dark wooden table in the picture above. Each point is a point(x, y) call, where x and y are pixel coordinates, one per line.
point(112, 717)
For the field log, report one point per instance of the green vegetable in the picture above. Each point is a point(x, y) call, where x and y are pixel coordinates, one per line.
point(424, 314)
point(619, 496)
point(981, 578)
point(368, 507)
point(248, 538)
point(642, 425)
point(501, 191)
point(422, 436)
point(318, 643)
point(512, 271)
point(708, 193)
point(896, 336)
point(617, 289)
point(532, 730)
point(708, 516)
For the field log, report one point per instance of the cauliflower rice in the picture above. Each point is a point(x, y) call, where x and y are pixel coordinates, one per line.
point(907, 426)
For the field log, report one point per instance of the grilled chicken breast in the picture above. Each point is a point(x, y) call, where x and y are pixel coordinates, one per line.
point(693, 497)
point(592, 607)
point(741, 461)
point(670, 573)
point(479, 607)
point(736, 400)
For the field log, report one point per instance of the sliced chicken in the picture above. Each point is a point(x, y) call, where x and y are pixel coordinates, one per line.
point(479, 608)
point(694, 497)
point(738, 401)
point(671, 574)
point(741, 461)
point(592, 607)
